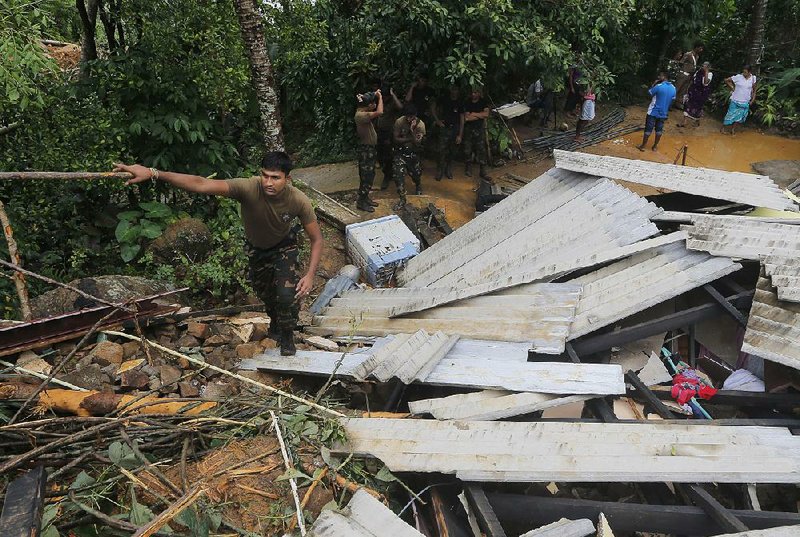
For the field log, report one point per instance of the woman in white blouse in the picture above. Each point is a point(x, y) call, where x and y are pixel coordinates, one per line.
point(743, 96)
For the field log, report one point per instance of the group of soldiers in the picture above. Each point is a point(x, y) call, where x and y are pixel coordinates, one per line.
point(392, 134)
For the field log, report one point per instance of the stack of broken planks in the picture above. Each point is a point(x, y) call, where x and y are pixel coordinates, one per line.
point(495, 310)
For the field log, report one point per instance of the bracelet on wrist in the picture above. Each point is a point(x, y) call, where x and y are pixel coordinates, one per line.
point(153, 174)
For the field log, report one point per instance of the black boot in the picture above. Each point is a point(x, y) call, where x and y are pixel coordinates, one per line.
point(386, 180)
point(364, 205)
point(372, 202)
point(448, 170)
point(439, 172)
point(273, 332)
point(419, 189)
point(287, 343)
point(484, 175)
point(468, 169)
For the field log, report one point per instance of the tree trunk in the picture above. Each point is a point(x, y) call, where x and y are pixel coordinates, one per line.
point(758, 26)
point(88, 15)
point(261, 74)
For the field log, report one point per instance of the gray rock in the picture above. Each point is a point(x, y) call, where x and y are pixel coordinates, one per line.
point(783, 172)
point(90, 377)
point(187, 237)
point(113, 288)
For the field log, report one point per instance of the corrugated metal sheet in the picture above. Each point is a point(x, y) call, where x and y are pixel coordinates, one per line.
point(536, 313)
point(487, 371)
point(773, 328)
point(578, 452)
point(556, 218)
point(643, 280)
point(747, 188)
point(408, 357)
point(364, 516)
point(777, 245)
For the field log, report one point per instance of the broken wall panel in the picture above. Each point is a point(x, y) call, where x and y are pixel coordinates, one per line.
point(746, 188)
point(364, 516)
point(773, 327)
point(489, 405)
point(643, 280)
point(526, 232)
point(479, 373)
point(491, 451)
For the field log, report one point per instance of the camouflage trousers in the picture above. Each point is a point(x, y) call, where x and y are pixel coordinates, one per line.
point(446, 146)
point(384, 154)
point(475, 142)
point(274, 274)
point(366, 169)
point(406, 161)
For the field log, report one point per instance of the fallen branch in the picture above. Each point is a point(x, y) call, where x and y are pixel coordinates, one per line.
point(307, 496)
point(170, 512)
point(19, 279)
point(104, 518)
point(42, 376)
point(95, 403)
point(228, 373)
point(289, 466)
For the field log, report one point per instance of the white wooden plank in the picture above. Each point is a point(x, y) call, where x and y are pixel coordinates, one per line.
point(564, 528)
point(364, 516)
point(583, 452)
point(494, 406)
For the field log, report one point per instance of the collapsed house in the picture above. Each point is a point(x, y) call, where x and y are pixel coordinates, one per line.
point(575, 292)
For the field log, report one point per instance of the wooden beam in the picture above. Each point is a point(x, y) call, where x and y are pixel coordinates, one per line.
point(644, 392)
point(727, 306)
point(487, 520)
point(23, 506)
point(520, 513)
point(722, 516)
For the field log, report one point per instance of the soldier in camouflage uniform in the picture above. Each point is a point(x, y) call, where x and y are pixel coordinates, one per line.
point(476, 110)
point(448, 116)
point(409, 131)
point(369, 106)
point(269, 207)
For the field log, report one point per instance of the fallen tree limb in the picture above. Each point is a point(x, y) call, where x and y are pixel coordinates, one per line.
point(42, 376)
point(95, 403)
point(19, 279)
point(289, 466)
point(170, 512)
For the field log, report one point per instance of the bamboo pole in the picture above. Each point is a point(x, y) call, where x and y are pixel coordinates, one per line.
point(289, 466)
point(19, 279)
point(64, 176)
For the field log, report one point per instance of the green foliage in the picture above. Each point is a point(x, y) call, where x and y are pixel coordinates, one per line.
point(24, 66)
point(136, 227)
point(499, 138)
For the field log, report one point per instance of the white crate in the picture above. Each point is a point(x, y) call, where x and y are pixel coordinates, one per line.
point(380, 247)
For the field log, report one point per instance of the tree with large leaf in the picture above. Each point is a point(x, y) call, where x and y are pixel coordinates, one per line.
point(261, 75)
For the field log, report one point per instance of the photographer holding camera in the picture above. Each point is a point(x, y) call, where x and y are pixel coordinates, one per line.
point(368, 107)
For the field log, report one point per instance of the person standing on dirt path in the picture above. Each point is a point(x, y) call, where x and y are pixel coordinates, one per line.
point(743, 94)
point(587, 113)
point(476, 111)
point(269, 207)
point(409, 131)
point(687, 70)
point(369, 106)
point(448, 116)
point(663, 93)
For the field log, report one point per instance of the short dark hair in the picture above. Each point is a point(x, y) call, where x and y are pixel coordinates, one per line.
point(747, 67)
point(276, 161)
point(409, 109)
point(698, 44)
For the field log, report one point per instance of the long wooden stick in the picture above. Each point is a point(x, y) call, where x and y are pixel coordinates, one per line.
point(307, 496)
point(19, 279)
point(289, 466)
point(170, 512)
point(91, 176)
point(42, 376)
point(228, 373)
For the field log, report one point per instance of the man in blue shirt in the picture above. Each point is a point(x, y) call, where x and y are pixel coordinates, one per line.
point(663, 93)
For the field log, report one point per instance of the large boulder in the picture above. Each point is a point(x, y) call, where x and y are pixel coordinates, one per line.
point(111, 288)
point(783, 172)
point(187, 237)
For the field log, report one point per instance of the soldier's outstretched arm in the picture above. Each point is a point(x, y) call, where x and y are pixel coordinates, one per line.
point(190, 183)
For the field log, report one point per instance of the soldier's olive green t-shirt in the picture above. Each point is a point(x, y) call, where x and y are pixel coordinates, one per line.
point(267, 220)
point(365, 129)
